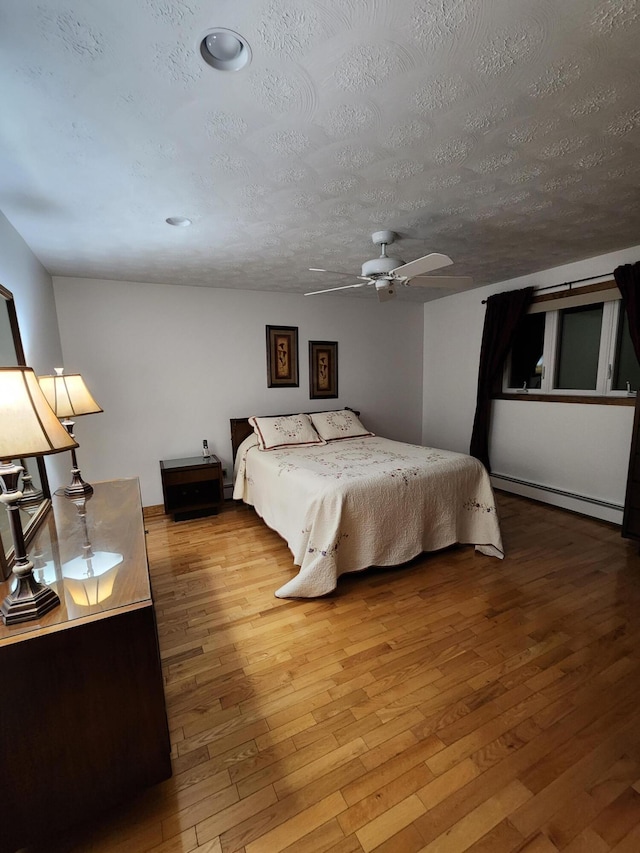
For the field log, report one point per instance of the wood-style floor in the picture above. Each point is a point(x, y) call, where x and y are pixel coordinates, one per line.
point(460, 703)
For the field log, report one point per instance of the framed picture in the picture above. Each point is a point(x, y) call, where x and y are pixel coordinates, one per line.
point(282, 356)
point(323, 369)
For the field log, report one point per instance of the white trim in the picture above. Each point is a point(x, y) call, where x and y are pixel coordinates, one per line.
point(594, 507)
point(550, 346)
point(606, 352)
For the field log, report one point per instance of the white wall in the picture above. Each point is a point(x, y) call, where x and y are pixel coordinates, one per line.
point(580, 449)
point(23, 274)
point(170, 365)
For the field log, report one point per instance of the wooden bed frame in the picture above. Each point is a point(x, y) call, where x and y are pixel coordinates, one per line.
point(241, 428)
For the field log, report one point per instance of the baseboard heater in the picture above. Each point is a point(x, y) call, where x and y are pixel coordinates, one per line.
point(570, 500)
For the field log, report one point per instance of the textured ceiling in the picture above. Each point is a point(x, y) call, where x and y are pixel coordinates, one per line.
point(505, 133)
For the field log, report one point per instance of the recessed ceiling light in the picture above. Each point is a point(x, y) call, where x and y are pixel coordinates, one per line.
point(225, 50)
point(182, 221)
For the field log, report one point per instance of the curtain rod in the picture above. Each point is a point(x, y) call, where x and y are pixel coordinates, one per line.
point(566, 283)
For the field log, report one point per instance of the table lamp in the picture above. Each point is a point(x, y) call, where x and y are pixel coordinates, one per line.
point(32, 497)
point(28, 427)
point(69, 397)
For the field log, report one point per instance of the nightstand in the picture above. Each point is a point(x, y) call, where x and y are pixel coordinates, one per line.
point(192, 487)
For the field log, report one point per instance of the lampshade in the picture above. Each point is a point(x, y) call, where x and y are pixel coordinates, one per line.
point(67, 395)
point(29, 427)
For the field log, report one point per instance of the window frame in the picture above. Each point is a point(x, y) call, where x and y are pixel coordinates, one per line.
point(605, 293)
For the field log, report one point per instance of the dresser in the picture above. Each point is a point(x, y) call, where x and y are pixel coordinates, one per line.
point(83, 722)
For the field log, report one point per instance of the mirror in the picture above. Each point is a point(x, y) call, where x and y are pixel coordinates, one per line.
point(33, 511)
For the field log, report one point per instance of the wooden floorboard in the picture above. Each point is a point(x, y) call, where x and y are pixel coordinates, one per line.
point(458, 703)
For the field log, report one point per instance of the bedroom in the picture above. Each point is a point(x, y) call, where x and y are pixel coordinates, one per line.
point(154, 354)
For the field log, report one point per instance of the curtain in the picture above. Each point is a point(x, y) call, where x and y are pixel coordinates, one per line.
point(628, 280)
point(504, 313)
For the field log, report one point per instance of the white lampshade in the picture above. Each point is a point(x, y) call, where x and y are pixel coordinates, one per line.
point(28, 425)
point(68, 396)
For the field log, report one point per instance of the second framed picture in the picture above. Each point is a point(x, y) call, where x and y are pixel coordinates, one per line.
point(323, 369)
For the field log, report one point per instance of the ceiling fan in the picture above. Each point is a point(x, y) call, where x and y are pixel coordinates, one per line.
point(386, 273)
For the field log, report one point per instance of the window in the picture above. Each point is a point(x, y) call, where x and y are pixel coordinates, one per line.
point(579, 332)
point(626, 368)
point(527, 354)
point(574, 345)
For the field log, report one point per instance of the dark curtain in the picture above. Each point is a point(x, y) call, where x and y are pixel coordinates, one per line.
point(504, 312)
point(628, 280)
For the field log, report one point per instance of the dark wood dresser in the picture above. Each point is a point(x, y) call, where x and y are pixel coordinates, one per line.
point(82, 712)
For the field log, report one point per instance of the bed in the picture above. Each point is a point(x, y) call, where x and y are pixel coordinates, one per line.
point(358, 500)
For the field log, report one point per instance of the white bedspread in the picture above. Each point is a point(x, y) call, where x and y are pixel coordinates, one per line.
point(348, 505)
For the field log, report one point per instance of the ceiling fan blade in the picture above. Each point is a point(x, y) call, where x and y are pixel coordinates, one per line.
point(434, 261)
point(456, 281)
point(332, 272)
point(344, 287)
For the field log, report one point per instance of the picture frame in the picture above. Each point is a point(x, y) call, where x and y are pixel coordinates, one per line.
point(323, 369)
point(282, 356)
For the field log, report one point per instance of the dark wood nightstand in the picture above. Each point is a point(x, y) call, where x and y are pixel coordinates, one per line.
point(192, 487)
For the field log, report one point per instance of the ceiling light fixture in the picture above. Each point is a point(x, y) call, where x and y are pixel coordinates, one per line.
point(180, 221)
point(225, 50)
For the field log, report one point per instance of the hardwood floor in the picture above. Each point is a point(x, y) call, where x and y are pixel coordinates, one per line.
point(459, 703)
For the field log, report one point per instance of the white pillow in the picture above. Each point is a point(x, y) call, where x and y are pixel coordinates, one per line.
point(333, 426)
point(285, 431)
